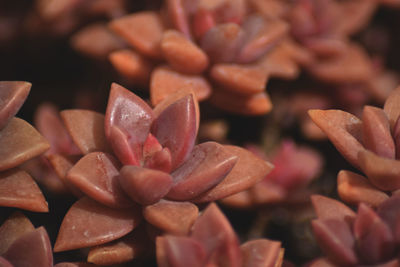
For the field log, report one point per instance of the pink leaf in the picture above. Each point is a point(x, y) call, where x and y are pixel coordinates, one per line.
point(13, 228)
point(175, 128)
point(178, 17)
point(96, 175)
point(160, 160)
point(145, 186)
point(329, 208)
point(12, 97)
point(260, 253)
point(19, 142)
point(206, 166)
point(392, 107)
point(88, 223)
point(19, 190)
point(127, 122)
point(31, 249)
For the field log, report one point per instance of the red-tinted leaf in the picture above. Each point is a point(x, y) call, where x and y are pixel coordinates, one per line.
point(96, 175)
point(175, 128)
point(202, 21)
point(223, 42)
point(354, 189)
point(150, 146)
point(384, 173)
point(172, 217)
point(336, 240)
point(31, 249)
point(145, 186)
point(5, 263)
point(88, 223)
point(206, 166)
point(260, 253)
point(19, 142)
point(392, 107)
point(177, 49)
point(329, 208)
point(12, 96)
point(213, 231)
point(343, 129)
point(376, 132)
point(127, 122)
point(179, 252)
point(389, 211)
point(248, 170)
point(13, 228)
point(142, 30)
point(262, 34)
point(160, 160)
point(19, 190)
point(86, 129)
point(178, 17)
point(374, 238)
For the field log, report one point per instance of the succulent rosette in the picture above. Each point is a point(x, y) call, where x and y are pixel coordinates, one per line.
point(142, 162)
point(225, 50)
point(24, 245)
point(19, 142)
point(368, 237)
point(369, 144)
point(213, 242)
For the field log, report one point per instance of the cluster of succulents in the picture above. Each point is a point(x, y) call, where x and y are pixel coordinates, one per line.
point(233, 133)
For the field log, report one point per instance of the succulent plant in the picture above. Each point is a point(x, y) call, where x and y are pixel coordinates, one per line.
point(24, 245)
point(213, 242)
point(369, 144)
point(137, 156)
point(19, 142)
point(367, 237)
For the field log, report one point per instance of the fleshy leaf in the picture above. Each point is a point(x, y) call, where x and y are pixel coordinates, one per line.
point(206, 166)
point(88, 223)
point(260, 253)
point(160, 160)
point(223, 42)
point(96, 175)
point(389, 211)
point(329, 208)
point(253, 105)
point(248, 170)
point(86, 129)
point(202, 21)
point(384, 173)
point(241, 79)
point(392, 107)
point(172, 217)
point(262, 34)
point(119, 251)
point(178, 16)
point(179, 251)
point(145, 186)
point(142, 30)
point(354, 188)
point(213, 231)
point(12, 97)
point(343, 129)
point(19, 190)
point(13, 228)
point(336, 240)
point(374, 238)
point(127, 124)
point(19, 142)
point(31, 249)
point(376, 132)
point(177, 49)
point(5, 263)
point(175, 128)
point(165, 81)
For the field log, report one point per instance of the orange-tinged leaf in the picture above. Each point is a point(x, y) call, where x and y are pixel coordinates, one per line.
point(178, 16)
point(177, 49)
point(88, 223)
point(19, 190)
point(19, 142)
point(354, 189)
point(142, 30)
point(14, 227)
point(260, 253)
